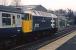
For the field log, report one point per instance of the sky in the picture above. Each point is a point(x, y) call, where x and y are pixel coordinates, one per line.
point(50, 4)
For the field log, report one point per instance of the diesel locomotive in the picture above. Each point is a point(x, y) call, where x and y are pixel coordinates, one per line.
point(35, 24)
point(14, 23)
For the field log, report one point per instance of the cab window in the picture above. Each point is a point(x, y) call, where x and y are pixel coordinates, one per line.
point(26, 17)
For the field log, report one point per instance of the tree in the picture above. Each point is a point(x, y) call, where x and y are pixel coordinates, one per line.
point(60, 12)
point(70, 13)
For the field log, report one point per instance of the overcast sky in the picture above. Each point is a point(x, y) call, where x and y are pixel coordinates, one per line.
point(51, 4)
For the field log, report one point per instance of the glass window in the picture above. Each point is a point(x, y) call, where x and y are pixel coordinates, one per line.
point(18, 16)
point(6, 19)
point(26, 17)
point(6, 15)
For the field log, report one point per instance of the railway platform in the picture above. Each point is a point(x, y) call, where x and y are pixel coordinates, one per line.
point(66, 43)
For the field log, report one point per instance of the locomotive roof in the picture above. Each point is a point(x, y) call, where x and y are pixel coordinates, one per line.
point(40, 13)
point(9, 9)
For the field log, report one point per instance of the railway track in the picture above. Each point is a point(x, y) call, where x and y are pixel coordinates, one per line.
point(44, 41)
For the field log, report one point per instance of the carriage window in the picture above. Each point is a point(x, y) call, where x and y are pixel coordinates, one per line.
point(6, 15)
point(6, 19)
point(18, 16)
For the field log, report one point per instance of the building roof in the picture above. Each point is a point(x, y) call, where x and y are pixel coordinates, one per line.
point(9, 9)
point(32, 7)
point(36, 7)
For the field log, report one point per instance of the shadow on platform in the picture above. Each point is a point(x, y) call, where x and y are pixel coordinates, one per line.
point(69, 45)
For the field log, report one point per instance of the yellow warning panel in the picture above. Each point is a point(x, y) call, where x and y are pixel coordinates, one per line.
point(27, 26)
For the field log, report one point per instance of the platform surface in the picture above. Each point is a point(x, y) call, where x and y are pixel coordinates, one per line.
point(66, 43)
point(69, 45)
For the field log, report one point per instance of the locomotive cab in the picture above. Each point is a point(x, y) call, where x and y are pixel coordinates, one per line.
point(27, 23)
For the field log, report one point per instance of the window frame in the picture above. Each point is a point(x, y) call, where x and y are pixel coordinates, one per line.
point(6, 16)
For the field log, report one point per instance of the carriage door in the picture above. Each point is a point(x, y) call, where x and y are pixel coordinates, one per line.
point(16, 21)
point(13, 21)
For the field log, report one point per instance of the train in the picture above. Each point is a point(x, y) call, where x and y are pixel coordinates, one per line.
point(16, 24)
